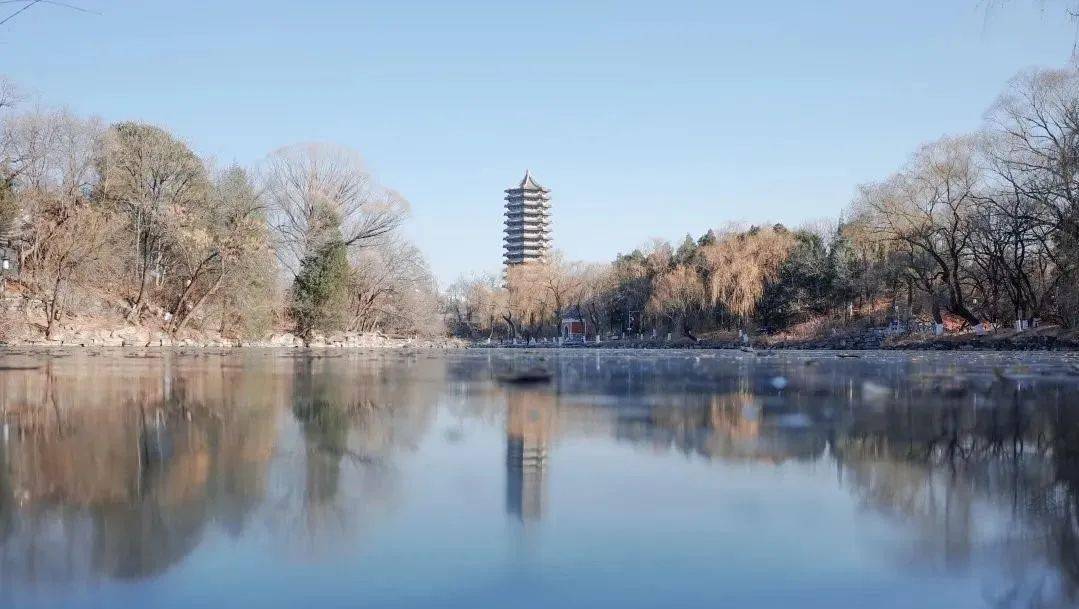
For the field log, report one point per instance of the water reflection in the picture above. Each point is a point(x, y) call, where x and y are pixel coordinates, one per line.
point(529, 416)
point(354, 417)
point(120, 468)
point(121, 480)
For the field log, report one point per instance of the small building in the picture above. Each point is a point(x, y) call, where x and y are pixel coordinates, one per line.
point(573, 328)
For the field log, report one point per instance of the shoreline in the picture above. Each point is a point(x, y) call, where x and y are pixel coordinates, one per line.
point(135, 338)
point(391, 343)
point(989, 343)
point(429, 345)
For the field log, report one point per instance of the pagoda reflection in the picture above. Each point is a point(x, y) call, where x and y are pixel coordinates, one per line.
point(529, 420)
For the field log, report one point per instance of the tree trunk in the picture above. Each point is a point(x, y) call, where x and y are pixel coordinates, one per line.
point(513, 326)
point(686, 328)
point(198, 304)
point(136, 306)
point(52, 309)
point(959, 308)
point(177, 309)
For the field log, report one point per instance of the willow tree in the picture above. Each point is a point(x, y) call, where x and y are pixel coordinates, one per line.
point(676, 295)
point(526, 305)
point(739, 264)
point(562, 282)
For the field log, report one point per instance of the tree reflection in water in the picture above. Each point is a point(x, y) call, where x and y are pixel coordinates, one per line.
point(975, 462)
point(355, 415)
point(118, 467)
point(121, 480)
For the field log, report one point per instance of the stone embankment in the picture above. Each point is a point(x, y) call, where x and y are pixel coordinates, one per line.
point(1048, 339)
point(134, 336)
point(1020, 341)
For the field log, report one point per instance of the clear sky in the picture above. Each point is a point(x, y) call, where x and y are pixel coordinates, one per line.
point(646, 119)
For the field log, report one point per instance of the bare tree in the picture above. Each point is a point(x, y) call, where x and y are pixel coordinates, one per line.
point(319, 192)
point(72, 256)
point(928, 209)
point(10, 94)
point(562, 283)
point(1016, 258)
point(49, 155)
point(474, 304)
point(676, 294)
point(388, 281)
point(159, 185)
point(1036, 143)
point(219, 244)
point(596, 297)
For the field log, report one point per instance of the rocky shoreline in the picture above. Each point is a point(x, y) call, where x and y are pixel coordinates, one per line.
point(1012, 341)
point(141, 337)
point(136, 337)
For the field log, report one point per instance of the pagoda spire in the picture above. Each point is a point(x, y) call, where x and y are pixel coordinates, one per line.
point(530, 183)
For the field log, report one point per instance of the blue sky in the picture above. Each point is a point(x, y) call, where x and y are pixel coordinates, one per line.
point(646, 119)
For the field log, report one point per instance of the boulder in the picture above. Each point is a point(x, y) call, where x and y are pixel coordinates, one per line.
point(132, 336)
point(281, 340)
point(108, 341)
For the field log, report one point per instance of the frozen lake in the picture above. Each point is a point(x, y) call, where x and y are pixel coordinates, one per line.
point(630, 479)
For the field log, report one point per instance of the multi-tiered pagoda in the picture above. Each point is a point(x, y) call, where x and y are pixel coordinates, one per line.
point(528, 222)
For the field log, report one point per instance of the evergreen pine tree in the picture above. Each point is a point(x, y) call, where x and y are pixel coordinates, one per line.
point(320, 290)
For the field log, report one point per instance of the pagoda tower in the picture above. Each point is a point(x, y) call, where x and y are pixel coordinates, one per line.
point(528, 222)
